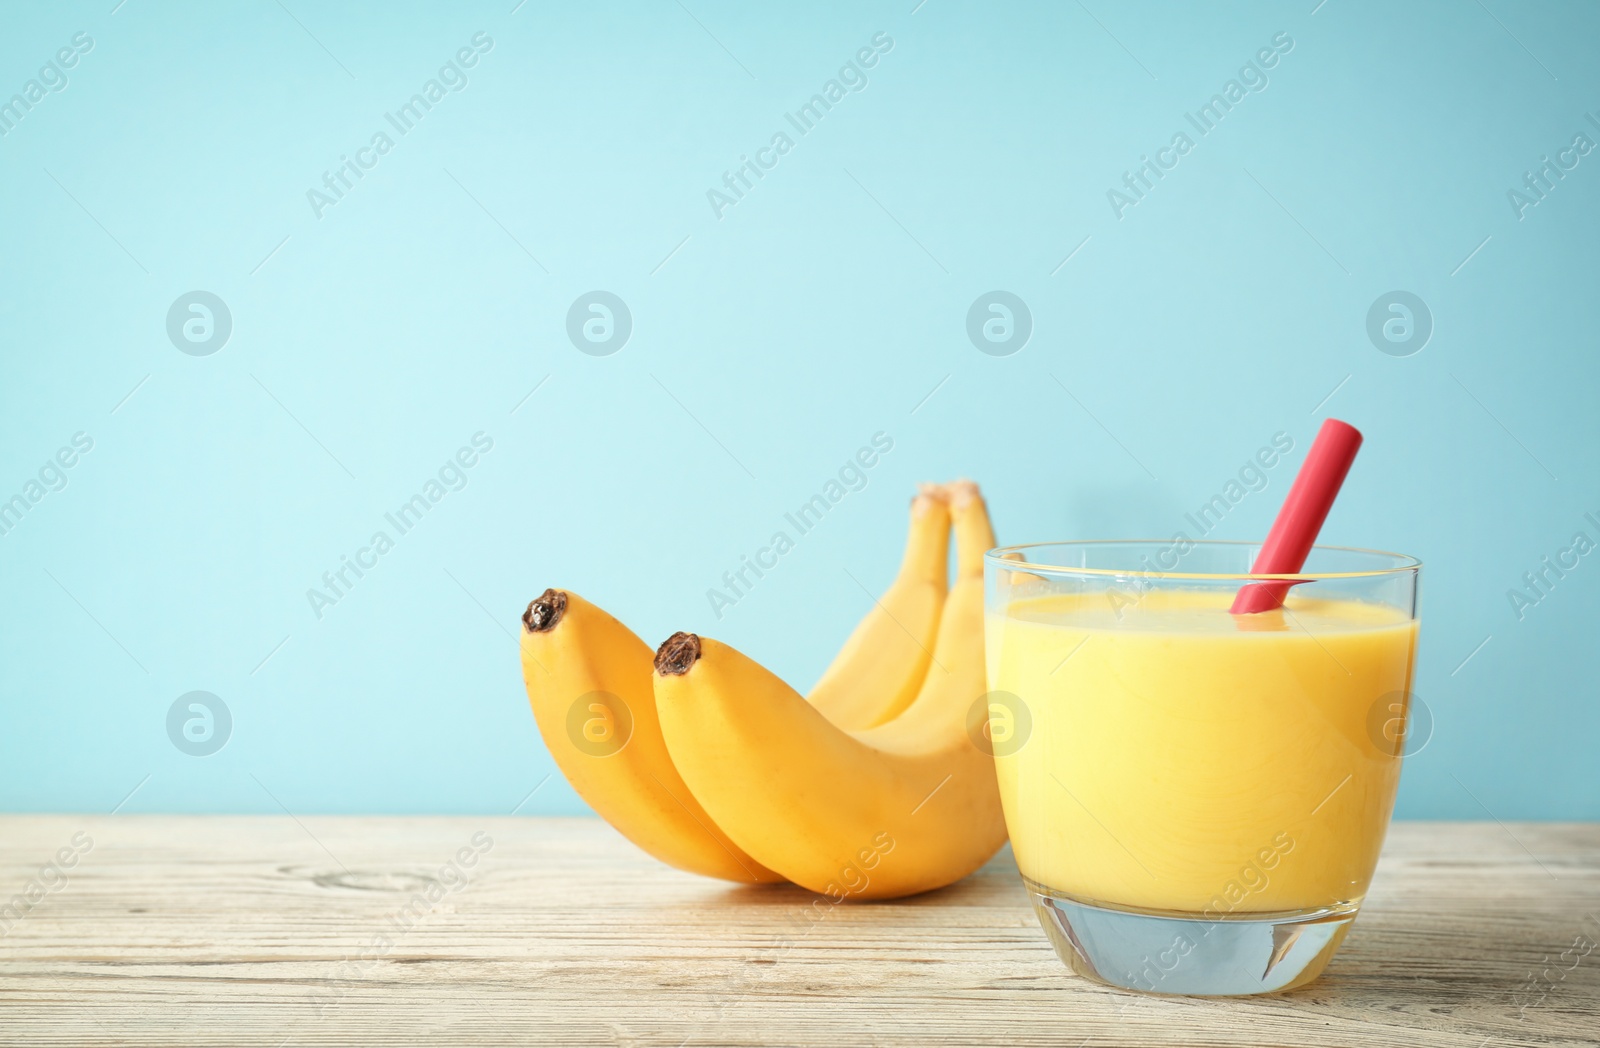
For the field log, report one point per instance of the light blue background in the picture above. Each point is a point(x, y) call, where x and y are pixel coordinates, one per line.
point(773, 342)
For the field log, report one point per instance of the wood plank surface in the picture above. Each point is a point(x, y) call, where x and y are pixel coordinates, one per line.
point(275, 931)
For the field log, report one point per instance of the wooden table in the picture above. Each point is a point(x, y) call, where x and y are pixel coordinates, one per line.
point(274, 931)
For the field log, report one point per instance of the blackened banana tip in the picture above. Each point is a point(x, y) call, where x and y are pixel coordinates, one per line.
point(677, 654)
point(544, 611)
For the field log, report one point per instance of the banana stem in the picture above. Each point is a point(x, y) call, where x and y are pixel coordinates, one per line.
point(677, 654)
point(545, 611)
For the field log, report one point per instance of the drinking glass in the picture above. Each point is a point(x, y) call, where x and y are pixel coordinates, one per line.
point(1196, 799)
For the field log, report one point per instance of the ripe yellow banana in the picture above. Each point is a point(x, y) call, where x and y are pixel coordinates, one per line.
point(879, 670)
point(588, 680)
point(904, 807)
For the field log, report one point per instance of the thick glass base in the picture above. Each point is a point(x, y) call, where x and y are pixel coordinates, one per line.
point(1176, 953)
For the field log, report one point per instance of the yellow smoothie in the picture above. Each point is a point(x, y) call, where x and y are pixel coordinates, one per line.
point(1181, 758)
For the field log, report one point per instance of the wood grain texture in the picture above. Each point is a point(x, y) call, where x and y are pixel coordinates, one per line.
point(272, 931)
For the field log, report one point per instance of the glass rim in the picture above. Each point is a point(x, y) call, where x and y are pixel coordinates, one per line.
point(1402, 562)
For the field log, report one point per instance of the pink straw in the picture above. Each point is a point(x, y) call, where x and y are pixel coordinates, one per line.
point(1306, 507)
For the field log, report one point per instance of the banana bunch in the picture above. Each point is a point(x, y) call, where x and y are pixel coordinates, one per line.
point(871, 787)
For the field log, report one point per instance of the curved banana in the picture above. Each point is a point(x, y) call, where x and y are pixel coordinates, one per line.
point(588, 680)
point(904, 807)
point(879, 670)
